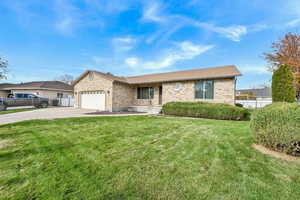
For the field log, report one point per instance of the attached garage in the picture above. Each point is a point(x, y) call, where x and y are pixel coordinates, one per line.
point(93, 100)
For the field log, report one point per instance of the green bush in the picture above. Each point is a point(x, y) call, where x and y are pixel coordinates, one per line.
point(277, 126)
point(206, 110)
point(282, 85)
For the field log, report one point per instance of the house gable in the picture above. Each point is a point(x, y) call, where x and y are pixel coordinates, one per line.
point(91, 83)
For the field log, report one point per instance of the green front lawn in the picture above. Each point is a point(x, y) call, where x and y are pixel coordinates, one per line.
point(16, 110)
point(139, 158)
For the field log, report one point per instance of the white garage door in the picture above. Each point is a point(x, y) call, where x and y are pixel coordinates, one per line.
point(93, 100)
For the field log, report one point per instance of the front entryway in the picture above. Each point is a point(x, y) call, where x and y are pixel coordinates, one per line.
point(160, 95)
point(93, 100)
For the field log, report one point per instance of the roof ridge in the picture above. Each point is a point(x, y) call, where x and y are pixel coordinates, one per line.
point(206, 68)
point(224, 71)
point(107, 74)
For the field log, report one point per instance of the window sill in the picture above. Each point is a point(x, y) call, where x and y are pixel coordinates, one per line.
point(204, 99)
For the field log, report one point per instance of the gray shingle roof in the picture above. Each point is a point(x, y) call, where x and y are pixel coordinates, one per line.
point(55, 85)
point(203, 73)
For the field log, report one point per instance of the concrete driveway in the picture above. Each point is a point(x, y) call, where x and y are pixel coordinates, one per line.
point(51, 113)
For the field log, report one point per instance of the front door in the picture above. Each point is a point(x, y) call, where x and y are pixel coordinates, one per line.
point(160, 95)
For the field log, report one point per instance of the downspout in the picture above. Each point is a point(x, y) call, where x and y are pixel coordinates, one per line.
point(235, 79)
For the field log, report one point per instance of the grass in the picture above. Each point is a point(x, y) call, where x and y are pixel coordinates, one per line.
point(16, 110)
point(139, 158)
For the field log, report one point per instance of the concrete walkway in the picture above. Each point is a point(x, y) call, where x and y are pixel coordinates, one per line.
point(52, 113)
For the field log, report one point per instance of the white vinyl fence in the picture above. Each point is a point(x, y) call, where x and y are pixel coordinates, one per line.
point(66, 102)
point(254, 103)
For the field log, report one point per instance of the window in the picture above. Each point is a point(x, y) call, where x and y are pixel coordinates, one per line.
point(31, 96)
point(177, 86)
point(60, 95)
point(145, 93)
point(204, 89)
point(19, 96)
point(91, 76)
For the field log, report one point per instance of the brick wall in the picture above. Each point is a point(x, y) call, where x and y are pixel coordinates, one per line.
point(122, 96)
point(224, 90)
point(98, 83)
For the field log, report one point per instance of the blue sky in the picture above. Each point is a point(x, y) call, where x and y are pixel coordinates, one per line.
point(44, 39)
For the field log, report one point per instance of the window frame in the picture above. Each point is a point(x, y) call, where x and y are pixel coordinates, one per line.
point(32, 96)
point(140, 93)
point(204, 92)
point(19, 95)
point(177, 86)
point(91, 76)
point(60, 95)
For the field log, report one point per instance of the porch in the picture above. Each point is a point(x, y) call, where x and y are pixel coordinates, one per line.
point(147, 95)
point(146, 109)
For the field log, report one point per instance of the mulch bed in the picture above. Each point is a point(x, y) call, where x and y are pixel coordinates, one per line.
point(275, 154)
point(112, 113)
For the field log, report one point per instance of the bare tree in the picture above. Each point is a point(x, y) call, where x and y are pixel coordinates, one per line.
point(66, 78)
point(3, 68)
point(286, 51)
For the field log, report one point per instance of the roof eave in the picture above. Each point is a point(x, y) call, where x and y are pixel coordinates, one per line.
point(34, 88)
point(186, 79)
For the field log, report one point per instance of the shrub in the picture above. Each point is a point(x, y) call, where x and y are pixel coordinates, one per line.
point(282, 85)
point(239, 105)
point(277, 126)
point(206, 110)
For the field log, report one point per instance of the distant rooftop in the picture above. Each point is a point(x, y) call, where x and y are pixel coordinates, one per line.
point(259, 92)
point(47, 85)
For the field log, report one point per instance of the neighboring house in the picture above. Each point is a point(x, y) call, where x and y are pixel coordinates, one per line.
point(259, 93)
point(47, 89)
point(103, 91)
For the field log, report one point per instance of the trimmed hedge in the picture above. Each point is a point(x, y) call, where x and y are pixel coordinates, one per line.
point(277, 126)
point(206, 110)
point(282, 85)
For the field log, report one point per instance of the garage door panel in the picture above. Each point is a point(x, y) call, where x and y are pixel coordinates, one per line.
point(93, 100)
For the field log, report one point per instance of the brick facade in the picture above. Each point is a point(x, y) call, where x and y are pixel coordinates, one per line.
point(97, 83)
point(224, 91)
point(121, 95)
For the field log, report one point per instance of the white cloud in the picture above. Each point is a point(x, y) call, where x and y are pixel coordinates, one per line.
point(110, 6)
point(68, 17)
point(182, 51)
point(152, 12)
point(98, 60)
point(65, 25)
point(234, 33)
point(132, 62)
point(254, 69)
point(172, 23)
point(123, 43)
point(293, 23)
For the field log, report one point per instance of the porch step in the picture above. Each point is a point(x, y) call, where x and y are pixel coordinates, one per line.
point(146, 109)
